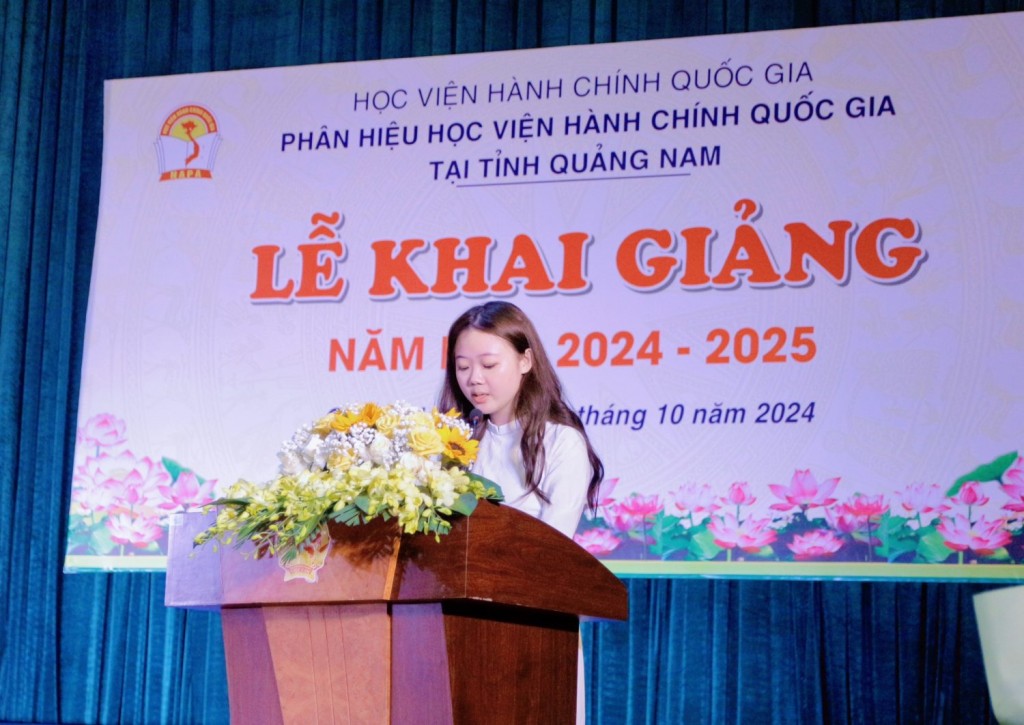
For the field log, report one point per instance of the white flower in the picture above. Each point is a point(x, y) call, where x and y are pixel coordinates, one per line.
point(412, 463)
point(291, 463)
point(379, 449)
point(443, 489)
point(314, 454)
point(362, 452)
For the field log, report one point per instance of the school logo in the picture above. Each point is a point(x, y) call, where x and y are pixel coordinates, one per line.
point(187, 146)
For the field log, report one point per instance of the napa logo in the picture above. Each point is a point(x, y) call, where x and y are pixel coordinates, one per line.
point(187, 146)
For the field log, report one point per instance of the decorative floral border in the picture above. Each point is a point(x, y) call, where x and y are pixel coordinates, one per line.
point(120, 502)
point(979, 519)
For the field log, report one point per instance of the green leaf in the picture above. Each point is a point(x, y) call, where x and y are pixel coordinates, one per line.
point(81, 536)
point(703, 546)
point(498, 494)
point(1000, 554)
point(176, 469)
point(932, 547)
point(362, 502)
point(101, 542)
point(895, 536)
point(80, 530)
point(306, 530)
point(438, 526)
point(992, 471)
point(349, 515)
point(669, 537)
point(667, 521)
point(465, 504)
point(239, 502)
point(897, 547)
point(895, 526)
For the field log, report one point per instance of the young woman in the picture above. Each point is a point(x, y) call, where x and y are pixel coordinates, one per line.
point(531, 442)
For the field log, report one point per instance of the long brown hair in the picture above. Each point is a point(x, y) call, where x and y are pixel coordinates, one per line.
point(540, 399)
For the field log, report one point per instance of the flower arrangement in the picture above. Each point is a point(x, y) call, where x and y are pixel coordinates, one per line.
point(358, 463)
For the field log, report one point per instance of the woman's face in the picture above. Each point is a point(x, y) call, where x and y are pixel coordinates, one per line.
point(490, 371)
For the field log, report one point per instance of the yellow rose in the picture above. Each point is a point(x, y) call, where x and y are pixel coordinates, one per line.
point(421, 419)
point(387, 423)
point(426, 442)
point(323, 426)
point(341, 461)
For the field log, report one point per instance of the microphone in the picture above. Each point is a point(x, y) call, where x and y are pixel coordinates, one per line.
point(475, 416)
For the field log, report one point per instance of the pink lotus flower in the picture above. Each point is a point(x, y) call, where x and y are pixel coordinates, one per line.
point(750, 535)
point(92, 500)
point(141, 486)
point(1014, 475)
point(739, 494)
point(102, 431)
point(1016, 494)
point(866, 507)
point(844, 521)
point(690, 499)
point(804, 492)
point(187, 492)
point(857, 514)
point(132, 482)
point(971, 495)
point(922, 500)
point(598, 541)
point(982, 536)
point(634, 512)
point(816, 543)
point(137, 531)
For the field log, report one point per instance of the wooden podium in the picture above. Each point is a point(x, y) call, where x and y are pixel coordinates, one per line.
point(479, 628)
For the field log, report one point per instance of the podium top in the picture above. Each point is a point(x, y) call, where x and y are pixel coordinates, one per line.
point(497, 555)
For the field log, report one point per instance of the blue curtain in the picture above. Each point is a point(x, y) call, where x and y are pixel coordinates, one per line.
point(789, 652)
point(102, 648)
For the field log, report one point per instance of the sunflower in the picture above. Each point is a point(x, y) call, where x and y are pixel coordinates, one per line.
point(370, 413)
point(337, 420)
point(457, 447)
point(342, 420)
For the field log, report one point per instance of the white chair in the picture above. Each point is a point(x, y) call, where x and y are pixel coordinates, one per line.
point(1000, 615)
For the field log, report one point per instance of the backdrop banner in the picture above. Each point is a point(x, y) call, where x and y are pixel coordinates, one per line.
point(780, 275)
